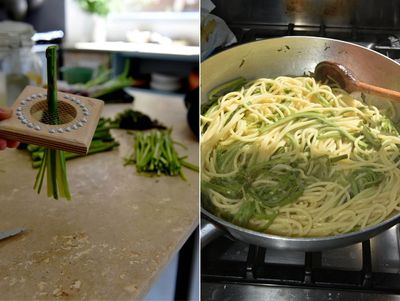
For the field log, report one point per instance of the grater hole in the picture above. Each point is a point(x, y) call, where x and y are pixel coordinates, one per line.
point(66, 113)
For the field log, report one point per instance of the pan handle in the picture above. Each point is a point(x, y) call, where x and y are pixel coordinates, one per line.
point(208, 232)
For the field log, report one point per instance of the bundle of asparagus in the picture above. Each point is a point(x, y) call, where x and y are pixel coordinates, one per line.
point(154, 154)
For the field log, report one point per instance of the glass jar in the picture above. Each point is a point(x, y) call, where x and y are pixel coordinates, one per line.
point(20, 66)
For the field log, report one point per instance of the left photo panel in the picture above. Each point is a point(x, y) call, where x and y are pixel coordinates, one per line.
point(99, 151)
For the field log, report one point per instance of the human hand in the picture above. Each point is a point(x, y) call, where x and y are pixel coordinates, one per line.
point(5, 114)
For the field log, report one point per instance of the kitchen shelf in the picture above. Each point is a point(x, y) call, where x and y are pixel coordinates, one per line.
point(143, 50)
point(132, 91)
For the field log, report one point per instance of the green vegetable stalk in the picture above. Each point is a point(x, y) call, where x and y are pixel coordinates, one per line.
point(95, 147)
point(115, 84)
point(53, 161)
point(154, 153)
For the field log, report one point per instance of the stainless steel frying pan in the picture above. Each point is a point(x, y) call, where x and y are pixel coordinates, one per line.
point(296, 56)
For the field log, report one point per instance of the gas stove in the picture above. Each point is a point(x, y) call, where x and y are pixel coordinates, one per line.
point(233, 270)
point(371, 23)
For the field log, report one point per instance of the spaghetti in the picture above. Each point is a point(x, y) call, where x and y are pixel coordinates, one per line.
point(294, 157)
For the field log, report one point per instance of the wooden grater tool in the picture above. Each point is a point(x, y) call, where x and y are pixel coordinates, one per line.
point(30, 121)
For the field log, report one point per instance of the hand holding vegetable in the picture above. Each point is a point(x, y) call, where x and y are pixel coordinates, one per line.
point(5, 114)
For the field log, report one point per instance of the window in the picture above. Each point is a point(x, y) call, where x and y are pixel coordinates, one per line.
point(136, 21)
point(155, 6)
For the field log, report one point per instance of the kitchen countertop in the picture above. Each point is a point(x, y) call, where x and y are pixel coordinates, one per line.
point(115, 236)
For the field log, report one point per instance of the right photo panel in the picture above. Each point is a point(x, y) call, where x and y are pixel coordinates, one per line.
point(300, 150)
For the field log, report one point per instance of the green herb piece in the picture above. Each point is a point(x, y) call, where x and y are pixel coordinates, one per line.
point(244, 214)
point(364, 178)
point(388, 127)
point(221, 90)
point(231, 187)
point(189, 165)
point(232, 114)
point(371, 138)
point(338, 158)
point(225, 157)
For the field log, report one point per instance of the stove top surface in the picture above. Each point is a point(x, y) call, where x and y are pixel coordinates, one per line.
point(366, 270)
point(239, 292)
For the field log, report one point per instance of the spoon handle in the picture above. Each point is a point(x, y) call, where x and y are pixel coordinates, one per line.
point(393, 95)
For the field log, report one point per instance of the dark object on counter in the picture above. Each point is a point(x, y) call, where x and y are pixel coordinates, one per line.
point(192, 104)
point(119, 96)
point(135, 120)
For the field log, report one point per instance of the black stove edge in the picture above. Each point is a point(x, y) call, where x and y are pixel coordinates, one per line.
point(240, 292)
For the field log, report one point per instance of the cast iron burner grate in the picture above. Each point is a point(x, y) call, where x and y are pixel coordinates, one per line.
point(255, 269)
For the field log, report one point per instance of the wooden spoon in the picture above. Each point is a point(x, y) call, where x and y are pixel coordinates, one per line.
point(348, 81)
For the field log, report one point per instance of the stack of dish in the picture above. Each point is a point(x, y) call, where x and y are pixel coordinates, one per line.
point(165, 82)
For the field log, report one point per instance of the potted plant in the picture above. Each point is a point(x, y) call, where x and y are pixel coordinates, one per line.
point(99, 9)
